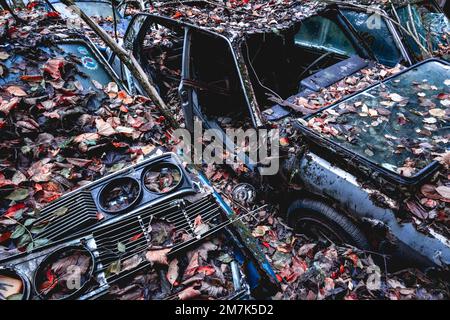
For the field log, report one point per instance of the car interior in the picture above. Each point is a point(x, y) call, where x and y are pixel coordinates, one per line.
point(281, 64)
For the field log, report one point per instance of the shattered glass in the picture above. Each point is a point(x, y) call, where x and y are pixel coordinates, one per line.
point(91, 8)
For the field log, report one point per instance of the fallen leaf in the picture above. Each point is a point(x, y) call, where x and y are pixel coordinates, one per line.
point(16, 91)
point(188, 293)
point(53, 68)
point(429, 191)
point(78, 162)
point(416, 209)
point(18, 194)
point(260, 231)
point(86, 137)
point(4, 55)
point(444, 191)
point(172, 272)
point(104, 128)
point(396, 97)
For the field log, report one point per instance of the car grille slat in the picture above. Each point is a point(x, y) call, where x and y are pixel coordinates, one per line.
point(179, 214)
point(81, 210)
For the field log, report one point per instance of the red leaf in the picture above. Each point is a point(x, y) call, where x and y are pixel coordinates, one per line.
point(266, 244)
point(136, 237)
point(51, 282)
point(354, 258)
point(12, 210)
point(12, 30)
point(51, 198)
point(31, 5)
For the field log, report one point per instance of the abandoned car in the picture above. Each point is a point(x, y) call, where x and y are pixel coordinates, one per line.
point(91, 243)
point(253, 75)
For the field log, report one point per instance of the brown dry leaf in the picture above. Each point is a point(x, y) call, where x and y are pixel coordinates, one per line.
point(112, 89)
point(396, 97)
point(131, 263)
point(11, 286)
point(7, 106)
point(306, 248)
point(97, 84)
point(406, 171)
point(4, 55)
point(416, 209)
point(444, 191)
point(16, 91)
point(158, 256)
point(438, 113)
point(53, 66)
point(444, 159)
point(18, 178)
point(40, 171)
point(193, 264)
point(260, 231)
point(104, 128)
point(429, 191)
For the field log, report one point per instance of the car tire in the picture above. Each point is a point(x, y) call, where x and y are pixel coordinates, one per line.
point(307, 212)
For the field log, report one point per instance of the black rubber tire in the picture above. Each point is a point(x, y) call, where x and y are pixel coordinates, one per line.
point(313, 210)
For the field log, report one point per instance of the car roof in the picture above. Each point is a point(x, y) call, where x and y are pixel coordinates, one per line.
point(233, 23)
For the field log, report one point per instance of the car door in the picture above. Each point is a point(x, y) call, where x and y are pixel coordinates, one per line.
point(210, 87)
point(378, 33)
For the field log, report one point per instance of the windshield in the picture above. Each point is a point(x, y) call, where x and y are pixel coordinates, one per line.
point(324, 34)
point(89, 63)
point(425, 26)
point(90, 8)
point(375, 32)
point(400, 124)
